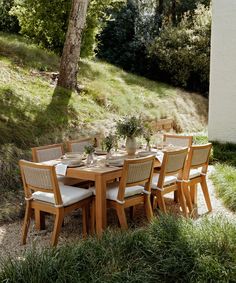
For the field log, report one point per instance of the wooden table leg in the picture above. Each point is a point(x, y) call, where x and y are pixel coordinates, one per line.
point(101, 208)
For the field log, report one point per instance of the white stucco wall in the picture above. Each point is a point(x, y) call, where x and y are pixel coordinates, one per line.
point(222, 98)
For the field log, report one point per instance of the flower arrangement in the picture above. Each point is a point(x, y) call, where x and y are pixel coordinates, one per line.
point(89, 149)
point(130, 127)
point(147, 134)
point(109, 142)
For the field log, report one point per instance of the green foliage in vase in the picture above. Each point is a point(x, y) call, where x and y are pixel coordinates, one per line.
point(147, 133)
point(89, 149)
point(129, 127)
point(109, 142)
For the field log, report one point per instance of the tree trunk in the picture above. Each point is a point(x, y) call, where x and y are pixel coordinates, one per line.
point(159, 14)
point(71, 51)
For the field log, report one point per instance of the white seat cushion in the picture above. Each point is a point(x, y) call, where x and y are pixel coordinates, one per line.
point(113, 188)
point(168, 180)
point(194, 173)
point(69, 195)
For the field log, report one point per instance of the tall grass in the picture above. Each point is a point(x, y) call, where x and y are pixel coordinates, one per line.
point(224, 179)
point(170, 250)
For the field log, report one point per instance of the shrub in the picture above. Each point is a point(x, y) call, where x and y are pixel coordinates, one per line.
point(46, 22)
point(8, 23)
point(169, 250)
point(181, 54)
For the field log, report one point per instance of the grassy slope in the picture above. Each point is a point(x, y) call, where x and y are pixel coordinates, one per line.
point(31, 113)
point(109, 92)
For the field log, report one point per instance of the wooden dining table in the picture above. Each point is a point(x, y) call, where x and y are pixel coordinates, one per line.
point(100, 175)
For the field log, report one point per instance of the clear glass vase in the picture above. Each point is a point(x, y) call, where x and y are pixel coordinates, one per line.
point(90, 160)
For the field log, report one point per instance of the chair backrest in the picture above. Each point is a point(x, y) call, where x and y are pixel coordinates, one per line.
point(198, 157)
point(173, 164)
point(177, 140)
point(47, 152)
point(135, 172)
point(39, 177)
point(78, 145)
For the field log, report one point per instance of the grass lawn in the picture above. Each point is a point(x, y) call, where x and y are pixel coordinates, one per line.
point(169, 250)
point(224, 177)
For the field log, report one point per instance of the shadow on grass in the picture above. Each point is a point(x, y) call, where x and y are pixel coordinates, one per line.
point(19, 131)
point(55, 117)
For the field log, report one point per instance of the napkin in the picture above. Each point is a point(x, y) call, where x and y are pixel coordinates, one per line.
point(160, 156)
point(61, 169)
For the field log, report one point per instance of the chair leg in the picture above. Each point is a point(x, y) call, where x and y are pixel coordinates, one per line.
point(176, 199)
point(84, 217)
point(39, 219)
point(122, 217)
point(26, 223)
point(57, 226)
point(188, 198)
point(161, 201)
point(132, 212)
point(153, 200)
point(148, 207)
point(193, 194)
point(206, 194)
point(182, 200)
point(92, 217)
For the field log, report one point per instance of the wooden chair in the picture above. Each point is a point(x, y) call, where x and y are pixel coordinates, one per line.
point(170, 179)
point(50, 152)
point(47, 152)
point(177, 140)
point(195, 173)
point(43, 193)
point(133, 188)
point(78, 145)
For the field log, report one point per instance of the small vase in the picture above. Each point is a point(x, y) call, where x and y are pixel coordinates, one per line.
point(90, 160)
point(131, 145)
point(108, 155)
point(148, 147)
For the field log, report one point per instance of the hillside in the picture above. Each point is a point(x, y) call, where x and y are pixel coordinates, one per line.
point(30, 111)
point(33, 113)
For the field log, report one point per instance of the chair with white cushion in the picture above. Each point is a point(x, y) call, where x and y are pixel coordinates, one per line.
point(79, 145)
point(195, 173)
point(132, 189)
point(43, 193)
point(177, 140)
point(170, 179)
point(51, 152)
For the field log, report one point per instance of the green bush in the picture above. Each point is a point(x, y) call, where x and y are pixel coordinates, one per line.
point(8, 23)
point(181, 54)
point(46, 22)
point(225, 153)
point(169, 250)
point(125, 49)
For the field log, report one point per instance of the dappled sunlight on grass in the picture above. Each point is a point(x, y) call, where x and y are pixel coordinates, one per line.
point(23, 53)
